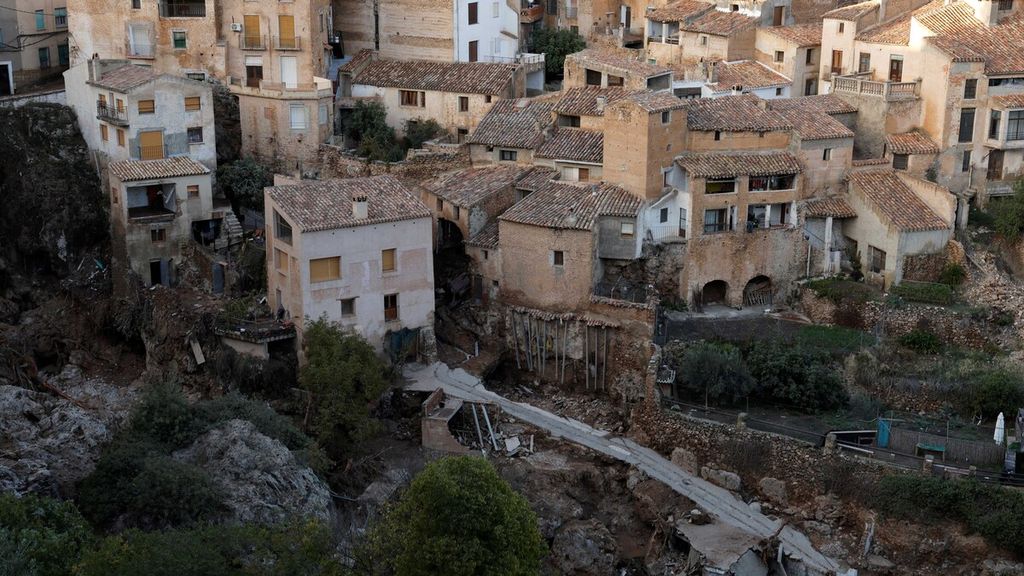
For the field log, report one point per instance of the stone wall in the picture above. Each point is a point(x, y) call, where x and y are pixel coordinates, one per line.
point(336, 163)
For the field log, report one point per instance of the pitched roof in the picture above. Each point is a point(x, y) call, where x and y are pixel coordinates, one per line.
point(741, 113)
point(174, 167)
point(625, 64)
point(536, 177)
point(834, 206)
point(486, 238)
point(124, 78)
point(574, 144)
point(1009, 100)
point(749, 74)
point(913, 142)
point(895, 31)
point(465, 77)
point(679, 11)
point(998, 47)
point(356, 61)
point(799, 34)
point(572, 206)
point(719, 23)
point(718, 165)
point(471, 186)
point(936, 16)
point(513, 123)
point(327, 204)
point(896, 201)
point(582, 100)
point(656, 101)
point(853, 11)
point(811, 118)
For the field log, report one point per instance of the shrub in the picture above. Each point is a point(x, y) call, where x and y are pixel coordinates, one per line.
point(835, 339)
point(921, 341)
point(991, 391)
point(556, 44)
point(978, 217)
point(419, 131)
point(1009, 218)
point(243, 182)
point(924, 292)
point(716, 371)
point(164, 416)
point(368, 126)
point(839, 291)
point(40, 536)
point(796, 376)
point(169, 493)
point(952, 274)
point(271, 378)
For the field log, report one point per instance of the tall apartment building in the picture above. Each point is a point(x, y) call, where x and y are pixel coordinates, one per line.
point(33, 42)
point(273, 55)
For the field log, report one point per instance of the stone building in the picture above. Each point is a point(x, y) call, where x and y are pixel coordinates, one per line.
point(464, 202)
point(510, 132)
point(583, 107)
point(745, 77)
point(686, 34)
point(33, 43)
point(356, 251)
point(822, 139)
point(577, 154)
point(643, 134)
point(794, 52)
point(604, 67)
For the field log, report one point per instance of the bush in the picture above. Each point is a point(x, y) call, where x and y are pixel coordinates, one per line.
point(921, 341)
point(840, 291)
point(419, 131)
point(991, 391)
point(1009, 217)
point(168, 493)
point(40, 536)
point(978, 217)
point(716, 371)
point(271, 378)
point(924, 292)
point(795, 376)
point(834, 339)
point(952, 274)
point(243, 182)
point(368, 126)
point(556, 44)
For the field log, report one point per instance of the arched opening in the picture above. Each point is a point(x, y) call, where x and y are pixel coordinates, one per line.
point(451, 265)
point(759, 292)
point(714, 292)
point(449, 235)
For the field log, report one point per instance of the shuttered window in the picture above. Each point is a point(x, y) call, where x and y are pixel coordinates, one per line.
point(147, 106)
point(387, 260)
point(325, 269)
point(193, 103)
point(104, 132)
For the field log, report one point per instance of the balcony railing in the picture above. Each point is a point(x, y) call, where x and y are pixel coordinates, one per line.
point(182, 9)
point(890, 91)
point(139, 50)
point(287, 43)
point(151, 152)
point(252, 42)
point(111, 114)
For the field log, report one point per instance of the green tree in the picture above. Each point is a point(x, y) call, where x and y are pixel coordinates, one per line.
point(458, 518)
point(991, 391)
point(40, 536)
point(1008, 218)
point(715, 371)
point(367, 125)
point(344, 378)
point(797, 376)
point(556, 44)
point(243, 182)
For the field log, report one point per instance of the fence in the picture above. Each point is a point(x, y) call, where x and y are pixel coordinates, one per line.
point(621, 291)
point(960, 450)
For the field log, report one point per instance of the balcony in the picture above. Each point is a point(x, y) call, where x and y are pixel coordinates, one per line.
point(887, 90)
point(531, 14)
point(287, 43)
point(111, 114)
point(320, 88)
point(173, 9)
point(150, 213)
point(252, 42)
point(140, 50)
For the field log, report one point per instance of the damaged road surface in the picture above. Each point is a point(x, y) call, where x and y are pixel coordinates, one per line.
point(794, 549)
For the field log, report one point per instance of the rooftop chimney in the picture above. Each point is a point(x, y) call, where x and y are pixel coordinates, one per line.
point(601, 101)
point(359, 207)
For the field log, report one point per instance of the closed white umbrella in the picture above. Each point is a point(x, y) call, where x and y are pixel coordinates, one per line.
point(1000, 429)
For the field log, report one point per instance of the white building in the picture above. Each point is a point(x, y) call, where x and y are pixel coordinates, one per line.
point(485, 31)
point(355, 250)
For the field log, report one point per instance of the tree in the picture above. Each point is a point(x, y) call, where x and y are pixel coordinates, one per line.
point(243, 182)
point(556, 44)
point(40, 536)
point(343, 377)
point(1009, 213)
point(795, 376)
point(367, 125)
point(419, 131)
point(458, 518)
point(715, 371)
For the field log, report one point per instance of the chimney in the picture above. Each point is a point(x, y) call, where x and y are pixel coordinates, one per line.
point(359, 207)
point(601, 101)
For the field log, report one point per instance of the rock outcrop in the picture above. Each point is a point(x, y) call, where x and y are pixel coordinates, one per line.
point(584, 547)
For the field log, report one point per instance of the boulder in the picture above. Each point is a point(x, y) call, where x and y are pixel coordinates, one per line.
point(260, 477)
point(727, 480)
point(584, 548)
point(775, 491)
point(685, 460)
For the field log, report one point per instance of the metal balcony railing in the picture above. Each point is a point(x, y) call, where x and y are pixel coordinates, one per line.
point(287, 43)
point(246, 42)
point(182, 9)
point(111, 114)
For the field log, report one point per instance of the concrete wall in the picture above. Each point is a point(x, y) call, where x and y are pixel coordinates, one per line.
point(612, 244)
point(496, 31)
point(479, 154)
point(529, 276)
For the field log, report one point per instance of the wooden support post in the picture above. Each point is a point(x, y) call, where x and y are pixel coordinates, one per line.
point(604, 373)
point(544, 353)
point(515, 339)
point(586, 355)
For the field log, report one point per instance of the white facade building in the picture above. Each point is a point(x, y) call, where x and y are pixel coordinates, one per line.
point(485, 31)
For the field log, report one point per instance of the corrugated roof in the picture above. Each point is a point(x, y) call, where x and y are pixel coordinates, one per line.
point(574, 144)
point(175, 167)
point(624, 63)
point(896, 201)
point(833, 206)
point(913, 142)
point(327, 204)
point(679, 11)
point(124, 78)
point(486, 238)
point(800, 34)
point(582, 100)
point(719, 23)
point(742, 113)
point(470, 186)
point(572, 206)
point(514, 124)
point(749, 74)
point(719, 165)
point(462, 77)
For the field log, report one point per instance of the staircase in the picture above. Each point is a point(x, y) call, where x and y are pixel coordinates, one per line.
point(230, 231)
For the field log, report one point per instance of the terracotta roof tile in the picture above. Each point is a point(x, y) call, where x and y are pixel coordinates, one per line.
point(936, 16)
point(486, 238)
point(861, 162)
point(513, 123)
point(574, 144)
point(572, 206)
point(895, 31)
point(810, 117)
point(749, 74)
point(834, 206)
point(656, 101)
point(327, 204)
point(679, 11)
point(470, 186)
point(716, 165)
point(719, 23)
point(853, 11)
point(896, 201)
point(999, 47)
point(800, 34)
point(177, 166)
point(911, 143)
point(734, 114)
point(536, 177)
point(625, 64)
point(357, 61)
point(1009, 100)
point(464, 77)
point(125, 78)
point(582, 101)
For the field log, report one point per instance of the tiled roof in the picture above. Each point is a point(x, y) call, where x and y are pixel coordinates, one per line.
point(853, 11)
point(463, 77)
point(656, 101)
point(536, 177)
point(834, 206)
point(719, 23)
point(896, 201)
point(625, 64)
point(741, 113)
point(135, 170)
point(999, 47)
point(327, 204)
point(800, 34)
point(513, 123)
point(582, 101)
point(471, 186)
point(861, 162)
point(716, 165)
point(574, 144)
point(749, 74)
point(486, 238)
point(911, 143)
point(1009, 100)
point(125, 78)
point(936, 16)
point(824, 103)
point(895, 31)
point(572, 206)
point(810, 118)
point(357, 61)
point(679, 11)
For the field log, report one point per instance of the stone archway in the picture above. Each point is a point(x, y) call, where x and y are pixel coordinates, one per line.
point(759, 291)
point(715, 292)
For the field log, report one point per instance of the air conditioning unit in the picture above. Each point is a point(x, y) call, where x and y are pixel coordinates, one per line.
point(236, 26)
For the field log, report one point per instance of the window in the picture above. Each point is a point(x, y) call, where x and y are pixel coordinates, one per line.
point(970, 89)
point(494, 10)
point(193, 190)
point(842, 27)
point(663, 216)
point(412, 98)
point(487, 98)
point(147, 106)
point(348, 307)
point(778, 92)
point(1015, 125)
point(136, 4)
point(280, 262)
point(473, 13)
point(387, 260)
point(826, 154)
point(966, 125)
point(780, 55)
point(1005, 5)
point(718, 135)
point(324, 269)
point(104, 132)
point(809, 56)
point(60, 17)
point(627, 229)
point(703, 40)
point(195, 135)
point(198, 76)
point(993, 124)
point(282, 230)
point(297, 116)
point(716, 220)
point(457, 212)
point(178, 40)
point(120, 138)
point(463, 103)
point(158, 235)
point(778, 16)
point(666, 116)
point(864, 62)
point(508, 155)
point(193, 103)
point(777, 182)
point(557, 258)
point(113, 194)
point(440, 205)
point(44, 57)
point(40, 20)
point(474, 50)
point(877, 263)
point(965, 163)
point(720, 185)
point(552, 7)
point(486, 254)
point(734, 8)
point(460, 135)
point(583, 174)
point(390, 307)
point(899, 161)
point(322, 114)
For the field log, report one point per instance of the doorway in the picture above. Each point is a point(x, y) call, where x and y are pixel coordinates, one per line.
point(896, 69)
point(6, 79)
point(995, 165)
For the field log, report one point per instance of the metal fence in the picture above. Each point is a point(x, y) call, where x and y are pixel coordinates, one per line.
point(621, 291)
point(959, 450)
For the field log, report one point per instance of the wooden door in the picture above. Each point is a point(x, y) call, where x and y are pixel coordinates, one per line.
point(896, 70)
point(473, 51)
point(286, 29)
point(837, 61)
point(778, 15)
point(995, 165)
point(584, 174)
point(251, 24)
point(151, 145)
